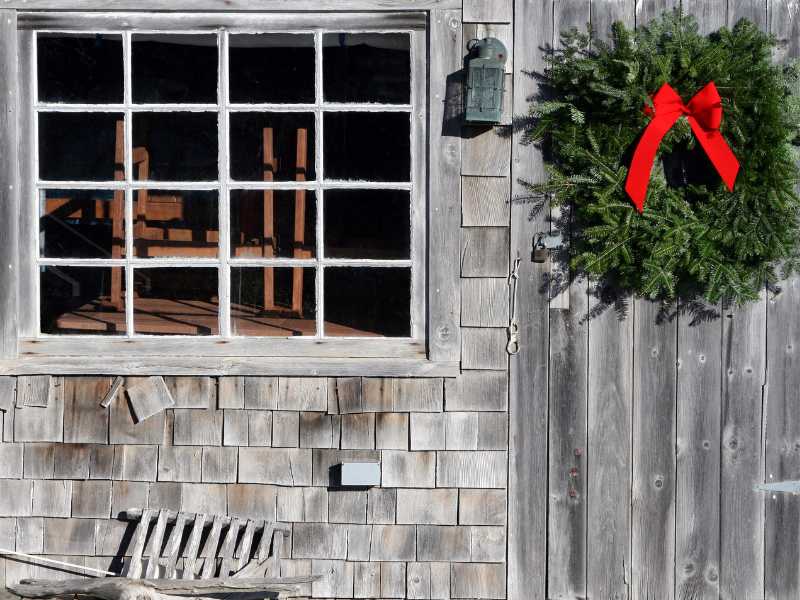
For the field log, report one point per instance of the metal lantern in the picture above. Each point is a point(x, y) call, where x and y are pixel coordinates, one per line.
point(485, 75)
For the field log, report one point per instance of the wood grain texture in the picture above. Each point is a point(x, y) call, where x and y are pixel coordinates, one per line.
point(650, 9)
point(484, 251)
point(488, 11)
point(485, 201)
point(485, 152)
point(484, 302)
point(233, 5)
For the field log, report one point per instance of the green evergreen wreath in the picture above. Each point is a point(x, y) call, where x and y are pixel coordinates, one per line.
point(695, 238)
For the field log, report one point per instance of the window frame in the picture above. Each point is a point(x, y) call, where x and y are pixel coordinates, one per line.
point(433, 347)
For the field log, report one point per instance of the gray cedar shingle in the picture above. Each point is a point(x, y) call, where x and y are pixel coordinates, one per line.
point(319, 540)
point(443, 543)
point(492, 431)
point(91, 499)
point(295, 568)
point(488, 153)
point(484, 348)
point(192, 392)
point(393, 542)
point(69, 537)
point(478, 581)
point(418, 580)
point(393, 580)
point(38, 461)
point(180, 463)
point(128, 494)
point(279, 466)
point(418, 395)
point(488, 544)
point(252, 501)
point(16, 499)
point(484, 11)
point(484, 251)
point(259, 427)
point(337, 580)
point(123, 428)
point(461, 431)
point(477, 390)
point(261, 393)
point(391, 431)
point(30, 535)
point(101, 462)
point(359, 541)
point(51, 498)
point(484, 302)
point(11, 461)
point(71, 461)
point(324, 459)
point(8, 392)
point(427, 431)
point(198, 427)
point(367, 580)
point(358, 431)
point(381, 506)
point(428, 507)
point(290, 504)
point(315, 505)
point(135, 463)
point(285, 429)
point(209, 498)
point(482, 469)
point(235, 428)
point(112, 537)
point(230, 392)
point(7, 418)
point(166, 494)
point(85, 421)
point(41, 424)
point(303, 393)
point(149, 396)
point(440, 579)
point(316, 430)
point(485, 201)
point(346, 506)
point(219, 464)
point(377, 394)
point(336, 431)
point(344, 395)
point(408, 469)
point(482, 507)
point(34, 390)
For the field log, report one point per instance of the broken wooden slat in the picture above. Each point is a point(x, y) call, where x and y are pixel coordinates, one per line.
point(193, 547)
point(149, 397)
point(264, 544)
point(112, 392)
point(244, 546)
point(209, 550)
point(274, 564)
point(228, 546)
point(173, 546)
point(155, 548)
point(135, 569)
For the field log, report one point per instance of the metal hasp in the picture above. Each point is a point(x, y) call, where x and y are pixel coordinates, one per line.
point(485, 76)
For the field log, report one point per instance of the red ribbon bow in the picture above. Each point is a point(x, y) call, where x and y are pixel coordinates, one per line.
point(704, 112)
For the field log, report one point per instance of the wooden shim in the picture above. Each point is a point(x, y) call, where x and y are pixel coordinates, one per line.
point(193, 547)
point(135, 568)
point(444, 110)
point(173, 546)
point(149, 397)
point(9, 185)
point(112, 392)
point(210, 549)
point(155, 545)
point(34, 390)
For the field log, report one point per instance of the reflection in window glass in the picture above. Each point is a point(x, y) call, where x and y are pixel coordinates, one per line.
point(367, 224)
point(367, 67)
point(369, 146)
point(273, 223)
point(367, 302)
point(80, 147)
point(174, 68)
point(267, 301)
point(272, 146)
point(82, 300)
point(82, 224)
point(178, 146)
point(176, 301)
point(271, 68)
point(79, 68)
point(176, 223)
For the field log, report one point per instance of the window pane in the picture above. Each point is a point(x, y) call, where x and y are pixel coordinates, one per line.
point(367, 224)
point(369, 146)
point(269, 223)
point(175, 146)
point(272, 67)
point(273, 301)
point(82, 300)
point(176, 301)
point(367, 67)
point(84, 68)
point(82, 223)
point(367, 302)
point(174, 68)
point(272, 146)
point(81, 147)
point(176, 223)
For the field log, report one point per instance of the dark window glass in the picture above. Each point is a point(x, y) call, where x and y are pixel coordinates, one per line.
point(174, 68)
point(267, 301)
point(272, 67)
point(78, 146)
point(176, 223)
point(370, 146)
point(367, 302)
point(175, 146)
point(272, 146)
point(269, 223)
point(367, 224)
point(367, 67)
point(176, 301)
point(83, 68)
point(82, 300)
point(82, 224)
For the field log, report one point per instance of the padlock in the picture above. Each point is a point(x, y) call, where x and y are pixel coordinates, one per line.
point(540, 251)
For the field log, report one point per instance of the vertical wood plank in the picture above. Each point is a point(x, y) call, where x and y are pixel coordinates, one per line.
point(9, 184)
point(649, 9)
point(155, 545)
point(173, 545)
point(135, 569)
point(528, 469)
point(444, 299)
point(193, 547)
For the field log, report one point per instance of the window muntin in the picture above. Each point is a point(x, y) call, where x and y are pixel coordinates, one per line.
point(264, 280)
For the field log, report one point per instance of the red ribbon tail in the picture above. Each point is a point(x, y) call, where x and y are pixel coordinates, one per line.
point(718, 151)
point(644, 156)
